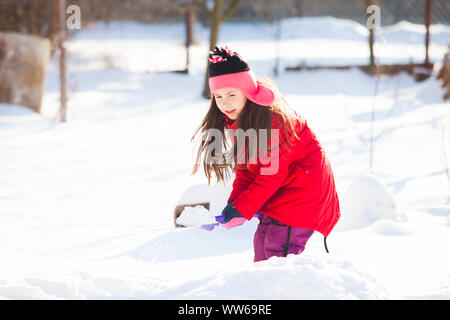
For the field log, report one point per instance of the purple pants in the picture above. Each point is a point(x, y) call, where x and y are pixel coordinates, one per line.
point(273, 238)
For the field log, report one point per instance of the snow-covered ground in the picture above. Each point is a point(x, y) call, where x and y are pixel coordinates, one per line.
point(86, 206)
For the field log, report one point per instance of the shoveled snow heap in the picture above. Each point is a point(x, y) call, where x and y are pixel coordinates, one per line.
point(196, 217)
point(295, 277)
point(366, 201)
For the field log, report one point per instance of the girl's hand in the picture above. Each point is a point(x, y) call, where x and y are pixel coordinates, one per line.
point(230, 217)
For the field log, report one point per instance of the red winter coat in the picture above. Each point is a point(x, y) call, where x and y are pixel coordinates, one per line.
point(301, 193)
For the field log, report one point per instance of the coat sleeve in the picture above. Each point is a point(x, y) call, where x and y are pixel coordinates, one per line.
point(243, 178)
point(250, 200)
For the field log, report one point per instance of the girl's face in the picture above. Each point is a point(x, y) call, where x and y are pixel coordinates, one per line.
point(231, 101)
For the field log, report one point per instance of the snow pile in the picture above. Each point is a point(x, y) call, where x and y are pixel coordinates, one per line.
point(196, 217)
point(366, 201)
point(215, 194)
point(294, 277)
point(185, 244)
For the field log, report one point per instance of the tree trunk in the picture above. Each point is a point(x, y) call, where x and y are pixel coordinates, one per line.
point(23, 65)
point(427, 26)
point(62, 60)
point(371, 36)
point(216, 18)
point(280, 14)
point(371, 40)
point(189, 18)
point(215, 21)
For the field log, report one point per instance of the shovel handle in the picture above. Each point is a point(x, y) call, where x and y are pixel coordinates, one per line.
point(221, 218)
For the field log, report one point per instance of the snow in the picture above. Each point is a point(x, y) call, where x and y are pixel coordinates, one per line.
point(216, 194)
point(366, 201)
point(86, 206)
point(196, 217)
point(294, 278)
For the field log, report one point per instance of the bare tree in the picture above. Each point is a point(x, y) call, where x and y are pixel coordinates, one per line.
point(427, 33)
point(280, 5)
point(371, 36)
point(189, 18)
point(216, 14)
point(62, 60)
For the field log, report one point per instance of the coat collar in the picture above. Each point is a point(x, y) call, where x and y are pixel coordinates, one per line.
point(229, 123)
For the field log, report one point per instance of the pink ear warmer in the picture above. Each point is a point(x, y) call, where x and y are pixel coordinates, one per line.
point(246, 82)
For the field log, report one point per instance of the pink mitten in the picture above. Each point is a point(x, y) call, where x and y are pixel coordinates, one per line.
point(233, 223)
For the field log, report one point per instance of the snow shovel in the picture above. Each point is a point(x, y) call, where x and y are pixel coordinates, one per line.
point(211, 226)
point(200, 217)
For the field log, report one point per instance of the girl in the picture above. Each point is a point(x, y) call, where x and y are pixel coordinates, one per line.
point(294, 200)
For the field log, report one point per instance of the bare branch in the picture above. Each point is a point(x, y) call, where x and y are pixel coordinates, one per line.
point(202, 5)
point(231, 9)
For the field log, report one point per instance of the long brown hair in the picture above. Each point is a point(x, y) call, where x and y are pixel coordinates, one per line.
point(252, 116)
